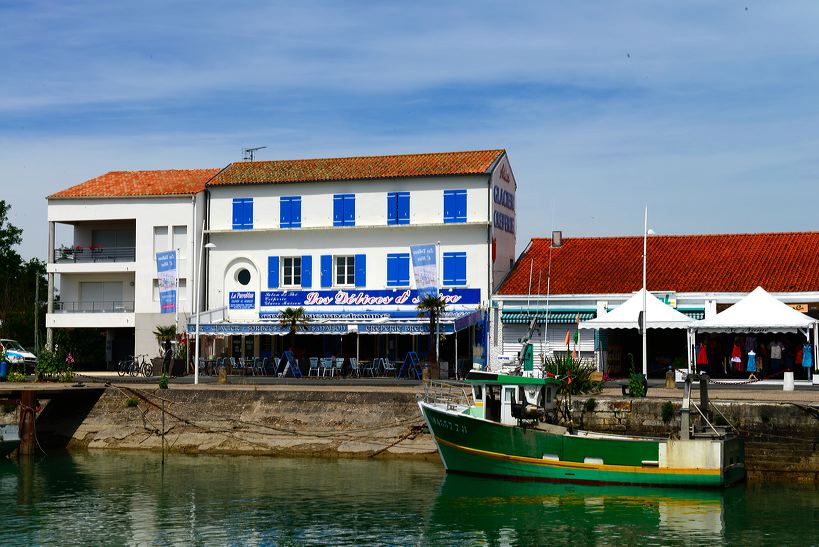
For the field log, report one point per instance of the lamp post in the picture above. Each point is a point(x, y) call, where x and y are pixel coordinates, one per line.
point(196, 292)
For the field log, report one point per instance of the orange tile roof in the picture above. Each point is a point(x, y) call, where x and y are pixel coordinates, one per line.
point(116, 184)
point(357, 168)
point(779, 262)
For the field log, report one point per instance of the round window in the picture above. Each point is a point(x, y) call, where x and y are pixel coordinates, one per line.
point(243, 276)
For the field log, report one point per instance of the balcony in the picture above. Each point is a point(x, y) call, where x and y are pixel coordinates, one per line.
point(93, 253)
point(102, 306)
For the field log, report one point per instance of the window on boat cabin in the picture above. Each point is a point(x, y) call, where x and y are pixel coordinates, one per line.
point(477, 392)
point(492, 403)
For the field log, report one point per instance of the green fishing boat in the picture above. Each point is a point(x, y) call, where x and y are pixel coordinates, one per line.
point(501, 429)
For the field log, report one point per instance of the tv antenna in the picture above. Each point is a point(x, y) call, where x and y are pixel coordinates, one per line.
point(248, 153)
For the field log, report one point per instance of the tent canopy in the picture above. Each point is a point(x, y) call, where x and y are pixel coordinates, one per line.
point(758, 311)
point(627, 315)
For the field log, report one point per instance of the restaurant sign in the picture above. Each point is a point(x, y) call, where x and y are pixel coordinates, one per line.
point(361, 299)
point(242, 300)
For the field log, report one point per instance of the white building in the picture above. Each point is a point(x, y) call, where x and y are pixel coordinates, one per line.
point(107, 276)
point(333, 236)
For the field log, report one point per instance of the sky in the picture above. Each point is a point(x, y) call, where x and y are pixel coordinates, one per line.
point(705, 112)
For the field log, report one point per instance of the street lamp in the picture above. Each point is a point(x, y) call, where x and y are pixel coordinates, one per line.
point(196, 292)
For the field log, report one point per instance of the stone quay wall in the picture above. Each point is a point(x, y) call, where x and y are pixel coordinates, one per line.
point(362, 421)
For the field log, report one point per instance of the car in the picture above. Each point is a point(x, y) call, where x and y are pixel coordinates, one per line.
point(16, 354)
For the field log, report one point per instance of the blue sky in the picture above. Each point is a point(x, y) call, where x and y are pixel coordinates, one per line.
point(705, 111)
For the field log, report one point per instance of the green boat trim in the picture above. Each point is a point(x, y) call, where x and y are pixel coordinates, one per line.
point(493, 379)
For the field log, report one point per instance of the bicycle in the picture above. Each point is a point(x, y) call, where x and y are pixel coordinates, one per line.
point(124, 367)
point(135, 366)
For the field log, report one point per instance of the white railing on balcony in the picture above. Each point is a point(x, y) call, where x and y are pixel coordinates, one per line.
point(100, 306)
point(94, 253)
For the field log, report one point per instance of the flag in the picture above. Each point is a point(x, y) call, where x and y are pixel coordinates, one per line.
point(568, 337)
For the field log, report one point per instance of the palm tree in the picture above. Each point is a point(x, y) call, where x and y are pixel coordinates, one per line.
point(165, 333)
point(294, 319)
point(433, 305)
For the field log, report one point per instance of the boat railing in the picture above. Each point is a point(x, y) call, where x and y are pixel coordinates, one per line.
point(451, 394)
point(703, 409)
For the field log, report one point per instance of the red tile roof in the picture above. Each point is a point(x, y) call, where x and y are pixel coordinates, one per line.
point(116, 184)
point(779, 262)
point(366, 167)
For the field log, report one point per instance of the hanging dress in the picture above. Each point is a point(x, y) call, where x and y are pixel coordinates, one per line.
point(736, 357)
point(702, 355)
point(751, 367)
point(807, 356)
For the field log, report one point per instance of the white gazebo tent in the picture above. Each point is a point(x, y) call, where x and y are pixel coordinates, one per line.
point(759, 312)
point(627, 316)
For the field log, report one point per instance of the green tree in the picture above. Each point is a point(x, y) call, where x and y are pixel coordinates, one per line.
point(294, 319)
point(432, 306)
point(19, 282)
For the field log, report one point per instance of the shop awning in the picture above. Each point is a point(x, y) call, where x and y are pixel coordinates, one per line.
point(340, 324)
point(555, 317)
point(759, 311)
point(627, 315)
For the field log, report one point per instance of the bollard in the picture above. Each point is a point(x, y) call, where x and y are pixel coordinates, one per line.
point(669, 379)
point(787, 384)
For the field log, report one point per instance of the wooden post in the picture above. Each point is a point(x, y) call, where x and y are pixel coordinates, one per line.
point(28, 416)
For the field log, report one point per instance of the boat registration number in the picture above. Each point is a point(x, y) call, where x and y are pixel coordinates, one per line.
point(446, 424)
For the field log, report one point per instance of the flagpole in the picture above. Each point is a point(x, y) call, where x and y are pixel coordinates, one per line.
point(645, 246)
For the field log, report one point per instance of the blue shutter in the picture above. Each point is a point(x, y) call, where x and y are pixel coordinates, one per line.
point(360, 270)
point(338, 210)
point(403, 207)
point(392, 270)
point(454, 206)
point(284, 212)
point(392, 209)
point(455, 268)
point(295, 212)
point(238, 206)
point(349, 210)
point(272, 272)
point(403, 269)
point(248, 209)
point(326, 271)
point(306, 271)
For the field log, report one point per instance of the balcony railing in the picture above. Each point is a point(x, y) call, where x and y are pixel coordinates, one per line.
point(100, 306)
point(94, 253)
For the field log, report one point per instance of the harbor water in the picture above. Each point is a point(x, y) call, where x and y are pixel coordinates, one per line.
point(133, 498)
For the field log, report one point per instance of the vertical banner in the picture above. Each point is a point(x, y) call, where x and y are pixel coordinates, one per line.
point(166, 272)
point(425, 269)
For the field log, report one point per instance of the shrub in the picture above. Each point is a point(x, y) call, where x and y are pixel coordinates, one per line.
point(667, 412)
point(163, 381)
point(575, 373)
point(132, 402)
point(591, 404)
point(50, 365)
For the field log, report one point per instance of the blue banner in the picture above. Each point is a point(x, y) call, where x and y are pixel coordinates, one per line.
point(166, 274)
point(425, 269)
point(363, 299)
point(242, 300)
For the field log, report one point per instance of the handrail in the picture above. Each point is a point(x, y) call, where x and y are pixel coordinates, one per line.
point(713, 406)
point(717, 433)
point(447, 392)
point(94, 253)
point(99, 306)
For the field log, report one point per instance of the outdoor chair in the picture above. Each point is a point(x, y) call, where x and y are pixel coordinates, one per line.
point(371, 367)
point(202, 365)
point(389, 368)
point(276, 361)
point(354, 370)
point(326, 366)
point(314, 366)
point(260, 366)
point(339, 366)
point(233, 365)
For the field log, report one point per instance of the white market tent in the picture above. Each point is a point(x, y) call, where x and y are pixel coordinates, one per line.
point(758, 311)
point(627, 315)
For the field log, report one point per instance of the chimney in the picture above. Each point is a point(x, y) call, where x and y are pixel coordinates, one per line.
point(557, 239)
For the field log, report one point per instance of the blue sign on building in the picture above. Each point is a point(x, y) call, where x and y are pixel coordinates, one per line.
point(242, 300)
point(364, 299)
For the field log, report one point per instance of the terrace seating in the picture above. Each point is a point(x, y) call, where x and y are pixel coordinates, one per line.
point(354, 369)
point(314, 366)
point(327, 366)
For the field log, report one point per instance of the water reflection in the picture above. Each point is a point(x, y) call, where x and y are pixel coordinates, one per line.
point(131, 498)
point(501, 511)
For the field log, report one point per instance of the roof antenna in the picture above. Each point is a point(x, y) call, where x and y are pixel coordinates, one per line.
point(248, 153)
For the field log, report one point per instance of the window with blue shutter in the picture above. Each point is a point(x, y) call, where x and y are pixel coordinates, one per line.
point(360, 270)
point(306, 272)
point(243, 213)
point(398, 208)
point(344, 210)
point(290, 211)
point(272, 272)
point(398, 269)
point(326, 271)
point(455, 268)
point(454, 206)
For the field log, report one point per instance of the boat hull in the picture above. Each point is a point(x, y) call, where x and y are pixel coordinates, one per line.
point(9, 439)
point(475, 446)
